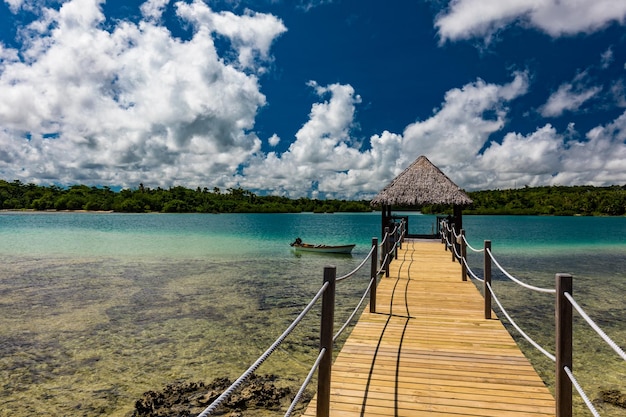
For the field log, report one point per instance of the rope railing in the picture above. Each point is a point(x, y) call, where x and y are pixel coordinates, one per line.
point(327, 339)
point(356, 310)
point(306, 383)
point(519, 329)
point(235, 385)
point(358, 268)
point(565, 378)
point(595, 327)
point(581, 392)
point(470, 247)
point(469, 270)
point(517, 281)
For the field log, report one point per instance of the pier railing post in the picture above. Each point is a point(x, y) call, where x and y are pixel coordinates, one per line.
point(374, 274)
point(487, 279)
point(452, 244)
point(387, 252)
point(396, 237)
point(463, 256)
point(563, 315)
point(326, 342)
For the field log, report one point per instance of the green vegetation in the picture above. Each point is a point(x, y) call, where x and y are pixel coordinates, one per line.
point(555, 201)
point(18, 196)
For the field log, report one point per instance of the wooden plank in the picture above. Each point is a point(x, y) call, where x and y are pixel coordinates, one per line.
point(428, 351)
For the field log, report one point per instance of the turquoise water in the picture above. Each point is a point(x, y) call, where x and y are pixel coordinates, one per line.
point(96, 309)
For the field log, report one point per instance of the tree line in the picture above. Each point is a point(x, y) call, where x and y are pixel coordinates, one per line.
point(548, 200)
point(19, 196)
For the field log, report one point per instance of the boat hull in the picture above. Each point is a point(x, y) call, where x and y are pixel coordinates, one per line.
point(324, 248)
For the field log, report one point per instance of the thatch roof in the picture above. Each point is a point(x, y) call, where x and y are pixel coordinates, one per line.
point(421, 183)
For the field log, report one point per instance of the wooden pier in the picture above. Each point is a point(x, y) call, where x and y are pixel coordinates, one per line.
point(429, 351)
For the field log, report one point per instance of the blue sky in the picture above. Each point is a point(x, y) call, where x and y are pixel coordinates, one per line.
point(318, 98)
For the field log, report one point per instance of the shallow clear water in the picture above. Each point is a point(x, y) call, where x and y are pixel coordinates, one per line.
point(96, 309)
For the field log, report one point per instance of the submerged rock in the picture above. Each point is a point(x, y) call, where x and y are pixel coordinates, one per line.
point(614, 397)
point(191, 398)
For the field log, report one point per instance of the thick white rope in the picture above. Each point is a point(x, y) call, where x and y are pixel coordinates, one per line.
point(589, 404)
point(306, 382)
point(356, 309)
point(457, 254)
point(235, 385)
point(528, 338)
point(595, 327)
point(472, 274)
point(470, 246)
point(517, 281)
point(355, 270)
point(380, 245)
point(384, 262)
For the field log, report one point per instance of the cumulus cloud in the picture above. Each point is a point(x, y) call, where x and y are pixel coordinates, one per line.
point(325, 158)
point(322, 147)
point(132, 103)
point(153, 9)
point(274, 140)
point(465, 19)
point(567, 98)
point(14, 5)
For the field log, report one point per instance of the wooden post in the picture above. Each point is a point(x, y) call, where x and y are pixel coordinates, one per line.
point(326, 342)
point(452, 244)
point(374, 274)
point(463, 256)
point(563, 315)
point(396, 237)
point(386, 254)
point(487, 279)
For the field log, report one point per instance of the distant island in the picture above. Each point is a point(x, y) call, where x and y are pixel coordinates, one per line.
point(547, 200)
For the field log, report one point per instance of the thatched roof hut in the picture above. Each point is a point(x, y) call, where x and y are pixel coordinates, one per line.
point(420, 184)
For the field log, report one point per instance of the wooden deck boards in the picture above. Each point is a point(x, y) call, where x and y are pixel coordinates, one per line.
point(428, 351)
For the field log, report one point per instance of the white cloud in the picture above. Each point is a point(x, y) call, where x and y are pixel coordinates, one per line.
point(567, 98)
point(527, 160)
point(466, 19)
point(599, 160)
point(15, 5)
point(251, 34)
point(607, 57)
point(274, 140)
point(324, 154)
point(323, 147)
point(133, 104)
point(152, 10)
point(462, 126)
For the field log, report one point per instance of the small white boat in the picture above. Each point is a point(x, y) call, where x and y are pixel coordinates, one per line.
point(298, 245)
